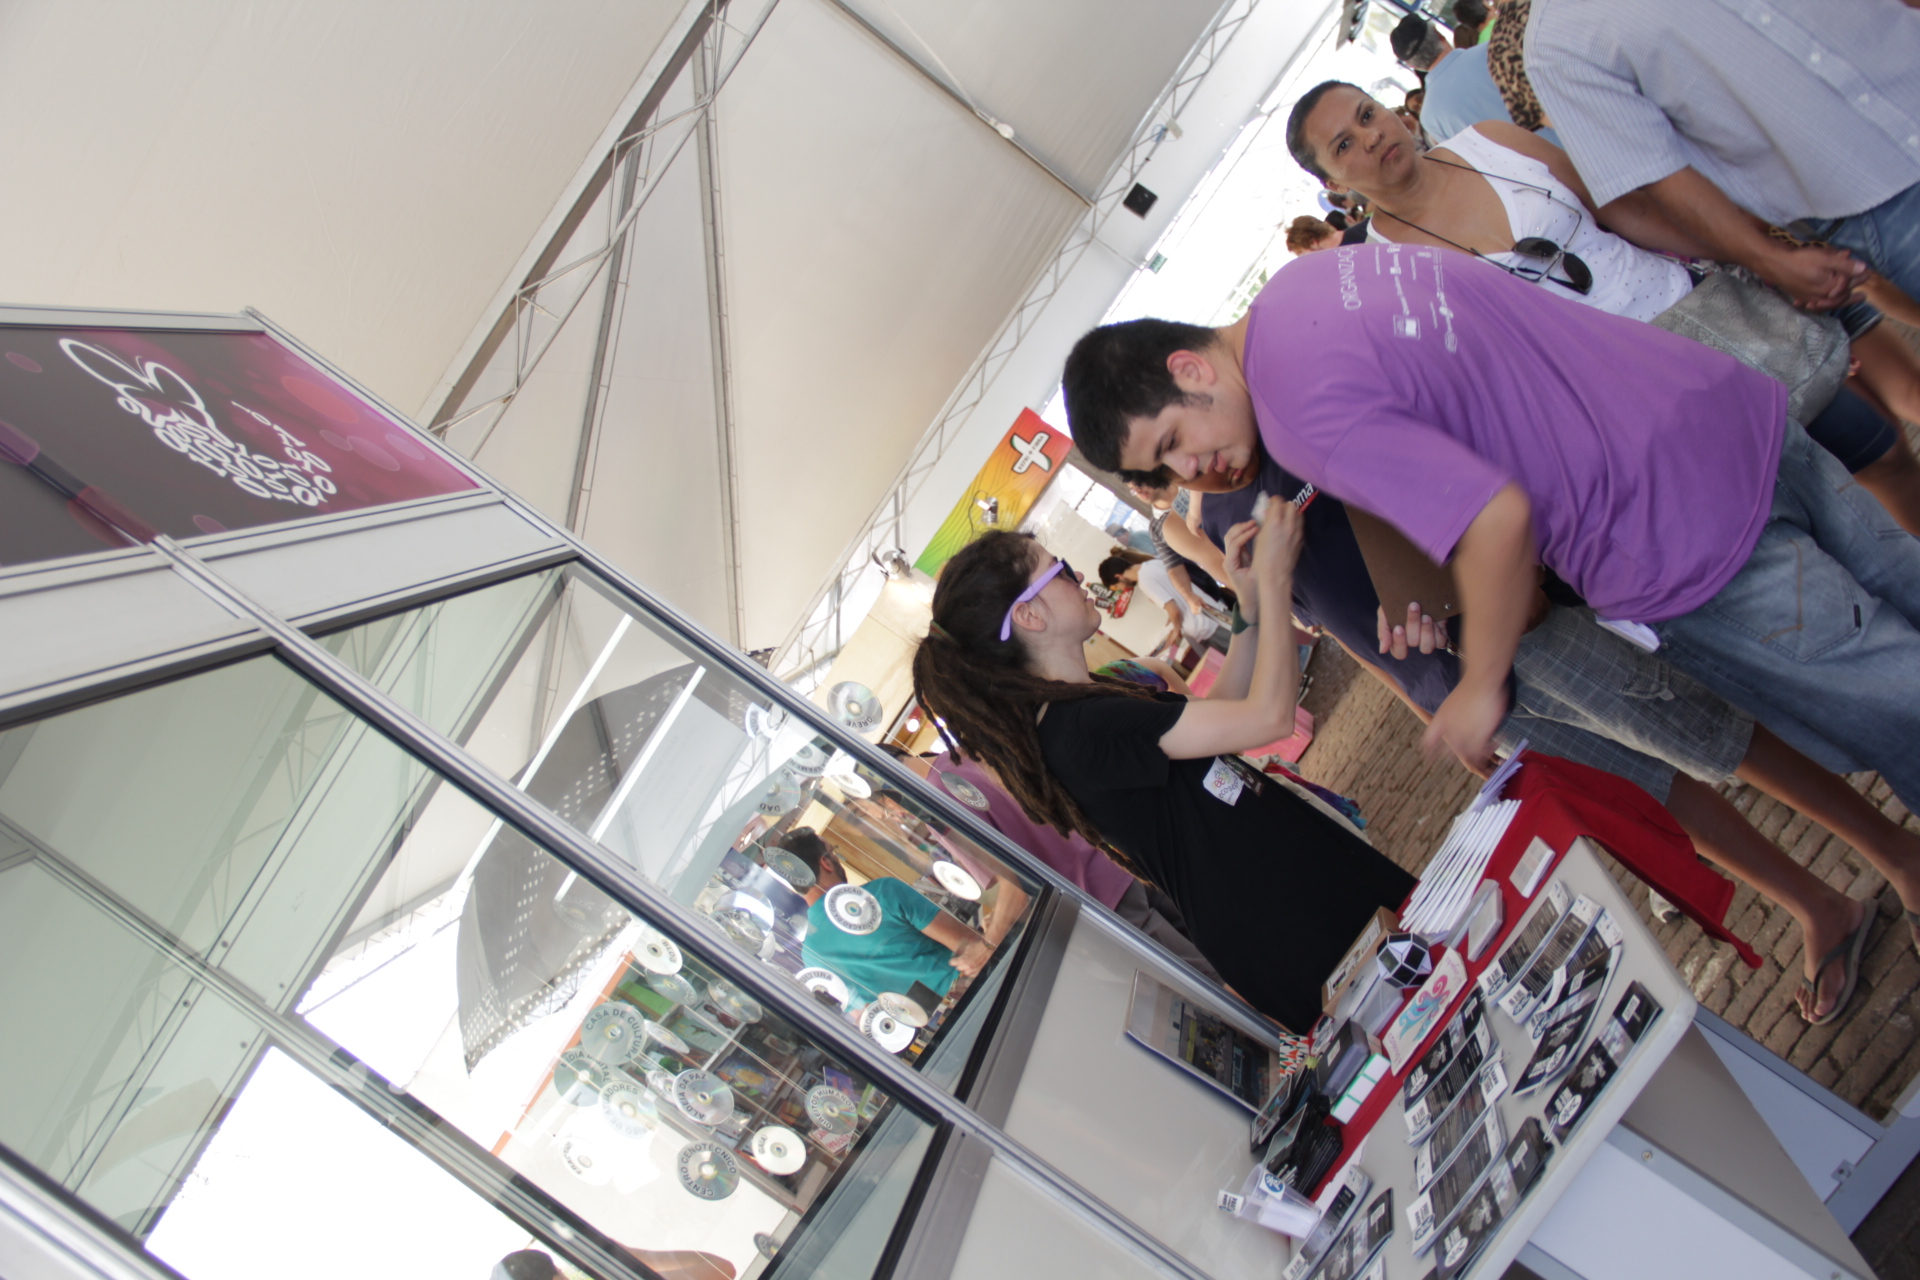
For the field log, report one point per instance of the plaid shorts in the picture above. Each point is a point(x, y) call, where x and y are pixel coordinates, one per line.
point(1571, 672)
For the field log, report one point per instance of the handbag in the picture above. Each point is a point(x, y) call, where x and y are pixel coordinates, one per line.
point(1756, 325)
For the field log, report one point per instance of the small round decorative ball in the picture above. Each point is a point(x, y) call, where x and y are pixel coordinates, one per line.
point(1405, 960)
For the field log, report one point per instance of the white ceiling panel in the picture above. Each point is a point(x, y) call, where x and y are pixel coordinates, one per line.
point(1073, 77)
point(877, 235)
point(365, 172)
point(654, 505)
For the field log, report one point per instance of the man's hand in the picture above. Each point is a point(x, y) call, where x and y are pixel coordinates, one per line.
point(1420, 629)
point(1816, 278)
point(1239, 558)
point(971, 958)
point(1465, 724)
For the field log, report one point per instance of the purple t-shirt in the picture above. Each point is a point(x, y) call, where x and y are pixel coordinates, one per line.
point(1071, 856)
point(1416, 382)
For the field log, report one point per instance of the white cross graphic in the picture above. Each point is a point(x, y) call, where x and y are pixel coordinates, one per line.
point(1029, 451)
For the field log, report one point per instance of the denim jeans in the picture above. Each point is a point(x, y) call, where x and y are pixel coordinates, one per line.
point(1886, 237)
point(1820, 623)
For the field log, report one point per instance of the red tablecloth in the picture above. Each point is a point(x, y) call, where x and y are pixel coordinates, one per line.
point(1559, 801)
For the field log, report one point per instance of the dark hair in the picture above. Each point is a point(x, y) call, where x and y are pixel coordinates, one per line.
point(1117, 373)
point(1468, 17)
point(527, 1264)
point(1416, 42)
point(897, 751)
point(1118, 563)
point(1303, 154)
point(805, 844)
point(979, 685)
point(1337, 220)
point(1158, 478)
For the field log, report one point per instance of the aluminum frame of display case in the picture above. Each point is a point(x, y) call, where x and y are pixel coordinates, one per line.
point(208, 601)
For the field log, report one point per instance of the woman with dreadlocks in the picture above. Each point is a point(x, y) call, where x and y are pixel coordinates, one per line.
point(1274, 884)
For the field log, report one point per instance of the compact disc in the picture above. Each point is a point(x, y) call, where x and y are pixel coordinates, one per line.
point(663, 1037)
point(766, 1244)
point(675, 987)
point(611, 1033)
point(578, 1079)
point(903, 1008)
point(777, 1149)
point(708, 1170)
point(884, 1029)
point(734, 1002)
point(628, 1111)
point(790, 867)
point(956, 880)
point(657, 953)
point(852, 909)
point(762, 722)
point(854, 706)
point(852, 785)
point(824, 980)
point(586, 1163)
point(702, 1097)
point(777, 797)
point(830, 1110)
point(809, 761)
point(964, 791)
point(661, 1082)
point(741, 928)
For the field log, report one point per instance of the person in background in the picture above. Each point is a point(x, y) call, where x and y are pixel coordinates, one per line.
point(1194, 622)
point(1471, 19)
point(1308, 234)
point(915, 941)
point(1340, 134)
point(1140, 904)
point(1459, 87)
point(1002, 902)
point(1172, 537)
point(1810, 113)
point(1274, 886)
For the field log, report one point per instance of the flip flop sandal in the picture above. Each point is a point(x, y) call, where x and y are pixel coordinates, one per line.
point(1849, 951)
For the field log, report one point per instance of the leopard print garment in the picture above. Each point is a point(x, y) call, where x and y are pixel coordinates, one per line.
point(1507, 63)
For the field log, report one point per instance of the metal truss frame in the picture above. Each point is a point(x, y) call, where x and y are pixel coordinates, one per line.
point(810, 647)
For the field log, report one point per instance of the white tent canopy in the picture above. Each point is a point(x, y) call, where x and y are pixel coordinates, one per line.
point(696, 279)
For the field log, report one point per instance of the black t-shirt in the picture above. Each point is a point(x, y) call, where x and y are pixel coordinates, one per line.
point(1273, 890)
point(1331, 585)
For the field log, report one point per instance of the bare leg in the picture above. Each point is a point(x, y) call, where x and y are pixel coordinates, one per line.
point(1787, 776)
point(1725, 838)
point(1890, 377)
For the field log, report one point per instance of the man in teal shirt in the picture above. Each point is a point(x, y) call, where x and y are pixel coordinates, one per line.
point(915, 941)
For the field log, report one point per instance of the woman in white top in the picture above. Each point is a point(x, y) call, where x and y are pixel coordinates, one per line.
point(1504, 194)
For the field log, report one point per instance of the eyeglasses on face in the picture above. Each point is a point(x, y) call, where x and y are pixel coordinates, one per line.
point(1055, 570)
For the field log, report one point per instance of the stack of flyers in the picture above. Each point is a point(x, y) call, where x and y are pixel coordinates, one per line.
point(1432, 1208)
point(1475, 1221)
point(1465, 1072)
point(1496, 785)
point(1362, 1241)
point(1446, 887)
point(1354, 1185)
point(1560, 1038)
point(1573, 1099)
point(1469, 1026)
point(1450, 1132)
point(1522, 996)
point(1590, 967)
point(1527, 940)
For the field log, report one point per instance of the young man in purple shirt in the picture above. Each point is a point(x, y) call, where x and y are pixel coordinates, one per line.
point(1499, 428)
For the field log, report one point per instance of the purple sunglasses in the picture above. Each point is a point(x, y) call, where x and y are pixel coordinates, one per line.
point(1006, 623)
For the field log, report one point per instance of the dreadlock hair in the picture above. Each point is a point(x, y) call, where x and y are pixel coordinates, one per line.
point(979, 686)
point(1118, 562)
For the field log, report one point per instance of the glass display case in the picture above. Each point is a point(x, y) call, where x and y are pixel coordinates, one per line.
point(398, 887)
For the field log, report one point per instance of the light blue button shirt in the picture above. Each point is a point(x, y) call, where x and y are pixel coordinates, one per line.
point(1793, 108)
